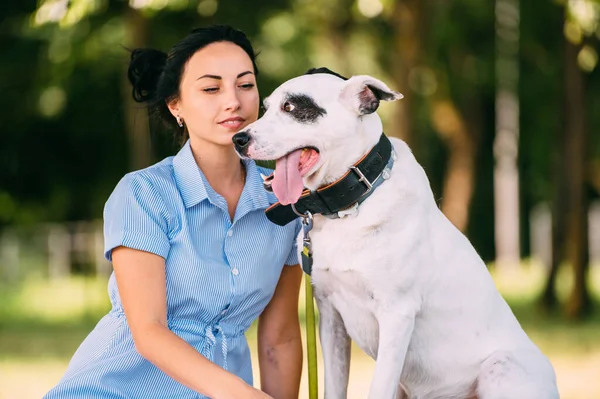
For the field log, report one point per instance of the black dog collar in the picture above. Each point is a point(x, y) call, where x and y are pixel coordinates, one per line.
point(352, 188)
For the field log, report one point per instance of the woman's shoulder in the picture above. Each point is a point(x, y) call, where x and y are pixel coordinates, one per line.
point(160, 173)
point(152, 181)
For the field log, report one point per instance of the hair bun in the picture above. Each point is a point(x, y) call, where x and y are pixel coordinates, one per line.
point(144, 71)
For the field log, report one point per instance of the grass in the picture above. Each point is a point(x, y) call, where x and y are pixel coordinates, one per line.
point(43, 322)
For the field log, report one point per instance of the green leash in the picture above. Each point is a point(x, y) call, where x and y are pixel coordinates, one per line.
point(311, 334)
point(311, 341)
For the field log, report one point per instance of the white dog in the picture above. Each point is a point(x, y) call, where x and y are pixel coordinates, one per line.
point(390, 272)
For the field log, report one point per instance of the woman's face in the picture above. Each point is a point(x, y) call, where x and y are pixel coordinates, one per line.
point(218, 93)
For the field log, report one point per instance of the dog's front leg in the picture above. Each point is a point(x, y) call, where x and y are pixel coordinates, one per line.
point(335, 344)
point(395, 332)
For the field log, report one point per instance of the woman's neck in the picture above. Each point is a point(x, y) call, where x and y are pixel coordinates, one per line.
point(220, 165)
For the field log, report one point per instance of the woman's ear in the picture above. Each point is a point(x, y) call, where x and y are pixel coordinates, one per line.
point(173, 106)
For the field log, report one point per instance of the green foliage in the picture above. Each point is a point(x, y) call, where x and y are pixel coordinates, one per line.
point(64, 119)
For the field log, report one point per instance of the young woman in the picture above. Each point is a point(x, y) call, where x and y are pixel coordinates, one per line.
point(195, 259)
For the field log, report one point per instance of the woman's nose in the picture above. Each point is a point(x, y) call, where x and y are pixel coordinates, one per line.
point(232, 101)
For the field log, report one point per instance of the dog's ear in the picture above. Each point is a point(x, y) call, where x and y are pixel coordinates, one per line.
point(363, 93)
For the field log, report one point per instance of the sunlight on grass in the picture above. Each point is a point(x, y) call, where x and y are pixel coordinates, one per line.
point(527, 282)
point(28, 379)
point(59, 300)
point(43, 322)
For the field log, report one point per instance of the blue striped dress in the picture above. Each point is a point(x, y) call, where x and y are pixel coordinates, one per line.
point(220, 275)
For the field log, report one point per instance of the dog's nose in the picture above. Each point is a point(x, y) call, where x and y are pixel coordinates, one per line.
point(241, 141)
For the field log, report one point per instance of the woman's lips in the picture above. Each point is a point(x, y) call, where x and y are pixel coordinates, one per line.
point(232, 123)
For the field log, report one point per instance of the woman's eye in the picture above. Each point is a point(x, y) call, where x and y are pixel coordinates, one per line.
point(210, 90)
point(288, 106)
point(247, 86)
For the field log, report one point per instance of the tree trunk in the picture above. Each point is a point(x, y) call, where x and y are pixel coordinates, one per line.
point(576, 141)
point(506, 142)
point(549, 300)
point(337, 33)
point(410, 22)
point(136, 115)
point(406, 19)
point(458, 183)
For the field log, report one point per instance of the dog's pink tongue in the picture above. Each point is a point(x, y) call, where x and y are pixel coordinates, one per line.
point(287, 183)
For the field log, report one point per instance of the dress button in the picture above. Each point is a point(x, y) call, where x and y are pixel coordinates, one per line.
point(230, 233)
point(235, 271)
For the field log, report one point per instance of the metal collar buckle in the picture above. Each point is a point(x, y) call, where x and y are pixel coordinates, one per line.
point(362, 178)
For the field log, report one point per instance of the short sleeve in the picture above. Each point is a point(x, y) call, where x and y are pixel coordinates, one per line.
point(293, 255)
point(135, 217)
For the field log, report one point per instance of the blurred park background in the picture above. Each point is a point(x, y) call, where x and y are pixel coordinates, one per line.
point(499, 109)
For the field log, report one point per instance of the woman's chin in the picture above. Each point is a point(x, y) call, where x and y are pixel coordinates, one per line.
point(220, 139)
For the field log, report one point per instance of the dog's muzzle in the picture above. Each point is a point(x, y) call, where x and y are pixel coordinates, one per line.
point(241, 141)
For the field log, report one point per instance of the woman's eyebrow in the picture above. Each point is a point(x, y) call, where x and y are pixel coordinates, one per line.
point(220, 78)
point(210, 77)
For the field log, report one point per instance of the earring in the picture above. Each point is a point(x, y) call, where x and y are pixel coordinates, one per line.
point(179, 121)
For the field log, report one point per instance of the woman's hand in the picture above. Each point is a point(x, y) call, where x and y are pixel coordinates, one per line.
point(257, 394)
point(243, 391)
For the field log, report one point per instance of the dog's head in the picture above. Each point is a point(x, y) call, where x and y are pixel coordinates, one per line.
point(315, 126)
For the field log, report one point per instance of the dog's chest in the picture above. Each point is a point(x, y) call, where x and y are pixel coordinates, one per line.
point(354, 301)
point(345, 260)
point(339, 267)
point(343, 278)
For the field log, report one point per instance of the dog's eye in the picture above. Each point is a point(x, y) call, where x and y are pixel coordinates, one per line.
point(288, 106)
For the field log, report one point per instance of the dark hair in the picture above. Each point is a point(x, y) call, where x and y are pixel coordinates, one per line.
point(313, 71)
point(155, 75)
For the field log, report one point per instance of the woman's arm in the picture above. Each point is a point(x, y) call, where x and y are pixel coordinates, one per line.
point(279, 339)
point(141, 281)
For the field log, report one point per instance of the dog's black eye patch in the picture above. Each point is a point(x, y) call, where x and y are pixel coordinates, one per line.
point(302, 108)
